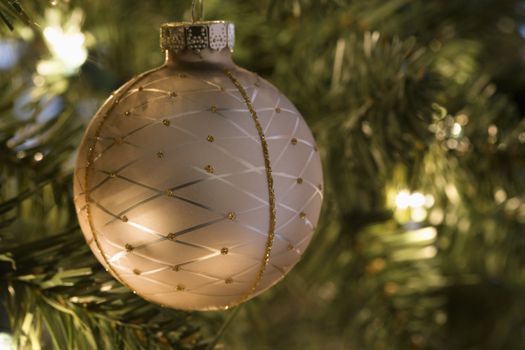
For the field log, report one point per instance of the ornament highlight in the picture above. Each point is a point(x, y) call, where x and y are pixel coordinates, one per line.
point(198, 184)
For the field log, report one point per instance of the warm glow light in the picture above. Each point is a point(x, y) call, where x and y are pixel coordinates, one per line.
point(38, 156)
point(456, 130)
point(106, 287)
point(413, 206)
point(500, 196)
point(6, 342)
point(418, 214)
point(428, 252)
point(424, 234)
point(417, 200)
point(68, 47)
point(436, 216)
point(405, 200)
point(66, 44)
point(429, 201)
point(69, 52)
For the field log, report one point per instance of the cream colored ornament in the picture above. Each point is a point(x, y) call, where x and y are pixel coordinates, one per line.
point(198, 185)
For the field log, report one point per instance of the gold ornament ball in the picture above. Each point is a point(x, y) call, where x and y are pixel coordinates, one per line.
point(198, 184)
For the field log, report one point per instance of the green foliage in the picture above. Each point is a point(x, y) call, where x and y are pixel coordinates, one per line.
point(417, 96)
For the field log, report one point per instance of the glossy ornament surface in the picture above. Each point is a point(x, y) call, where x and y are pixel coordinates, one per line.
point(198, 184)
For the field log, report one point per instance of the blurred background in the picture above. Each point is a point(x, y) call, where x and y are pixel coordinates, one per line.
point(417, 106)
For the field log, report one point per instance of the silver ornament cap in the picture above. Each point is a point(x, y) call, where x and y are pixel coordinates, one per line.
point(197, 36)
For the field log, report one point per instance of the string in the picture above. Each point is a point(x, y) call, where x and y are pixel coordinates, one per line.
point(197, 10)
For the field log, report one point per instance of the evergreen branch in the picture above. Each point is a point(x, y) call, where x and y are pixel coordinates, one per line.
point(6, 21)
point(223, 328)
point(14, 7)
point(64, 290)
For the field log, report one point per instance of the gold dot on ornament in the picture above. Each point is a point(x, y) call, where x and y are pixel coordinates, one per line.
point(160, 155)
point(166, 122)
point(117, 101)
point(213, 109)
point(302, 215)
point(300, 180)
point(176, 268)
point(278, 110)
point(228, 280)
point(173, 94)
point(129, 247)
point(290, 246)
point(127, 113)
point(209, 168)
point(224, 251)
point(172, 236)
point(141, 88)
point(119, 140)
point(180, 287)
point(124, 218)
point(112, 175)
point(294, 141)
point(136, 271)
point(210, 138)
point(169, 193)
point(231, 215)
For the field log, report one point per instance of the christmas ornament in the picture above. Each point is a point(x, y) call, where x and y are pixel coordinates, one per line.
point(198, 185)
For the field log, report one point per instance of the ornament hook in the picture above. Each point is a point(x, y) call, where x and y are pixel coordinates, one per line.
point(197, 10)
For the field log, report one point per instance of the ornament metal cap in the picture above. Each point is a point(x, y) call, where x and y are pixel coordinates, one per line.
point(197, 36)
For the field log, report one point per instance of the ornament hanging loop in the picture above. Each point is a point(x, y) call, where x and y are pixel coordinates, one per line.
point(197, 10)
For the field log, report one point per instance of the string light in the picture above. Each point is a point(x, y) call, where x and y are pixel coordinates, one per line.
point(493, 134)
point(521, 137)
point(405, 199)
point(418, 214)
point(66, 44)
point(6, 342)
point(500, 196)
point(106, 287)
point(450, 131)
point(456, 130)
point(424, 234)
point(38, 156)
point(412, 206)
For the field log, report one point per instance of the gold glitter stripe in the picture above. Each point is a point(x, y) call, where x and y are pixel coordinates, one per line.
point(269, 178)
point(90, 161)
